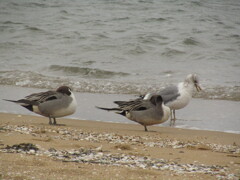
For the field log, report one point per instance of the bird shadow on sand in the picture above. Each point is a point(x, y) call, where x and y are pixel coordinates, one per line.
point(148, 131)
point(53, 125)
point(188, 120)
point(59, 125)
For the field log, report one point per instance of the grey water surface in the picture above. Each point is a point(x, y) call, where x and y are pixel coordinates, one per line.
point(121, 47)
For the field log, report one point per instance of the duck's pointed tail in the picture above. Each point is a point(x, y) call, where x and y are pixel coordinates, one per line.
point(109, 109)
point(24, 103)
point(117, 110)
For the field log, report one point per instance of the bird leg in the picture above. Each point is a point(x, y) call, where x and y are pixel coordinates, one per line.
point(50, 121)
point(145, 127)
point(174, 117)
point(171, 119)
point(54, 121)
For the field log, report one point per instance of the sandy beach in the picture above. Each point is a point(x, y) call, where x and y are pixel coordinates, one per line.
point(76, 149)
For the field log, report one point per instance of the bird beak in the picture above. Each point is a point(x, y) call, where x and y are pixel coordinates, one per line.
point(198, 87)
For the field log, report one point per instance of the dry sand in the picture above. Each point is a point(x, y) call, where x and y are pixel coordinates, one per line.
point(79, 149)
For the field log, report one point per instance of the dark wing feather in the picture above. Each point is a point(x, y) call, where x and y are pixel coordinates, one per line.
point(51, 98)
point(41, 97)
point(133, 105)
point(141, 108)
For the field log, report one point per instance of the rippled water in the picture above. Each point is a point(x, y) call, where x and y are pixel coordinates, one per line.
point(129, 47)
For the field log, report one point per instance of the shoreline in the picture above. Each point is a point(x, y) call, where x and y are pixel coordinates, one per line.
point(128, 122)
point(200, 114)
point(86, 149)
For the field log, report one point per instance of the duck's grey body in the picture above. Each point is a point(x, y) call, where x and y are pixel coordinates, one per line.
point(145, 112)
point(51, 104)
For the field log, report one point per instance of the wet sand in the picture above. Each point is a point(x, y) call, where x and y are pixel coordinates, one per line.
point(79, 149)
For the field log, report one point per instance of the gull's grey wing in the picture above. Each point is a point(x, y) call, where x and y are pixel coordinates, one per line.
point(169, 93)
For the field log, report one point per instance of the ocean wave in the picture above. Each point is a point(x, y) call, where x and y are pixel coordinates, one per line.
point(191, 41)
point(34, 4)
point(121, 18)
point(7, 45)
point(86, 72)
point(11, 22)
point(149, 39)
point(137, 50)
point(235, 36)
point(37, 80)
point(159, 19)
point(172, 52)
point(34, 29)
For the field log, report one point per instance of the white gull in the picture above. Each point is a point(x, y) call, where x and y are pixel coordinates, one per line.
point(178, 96)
